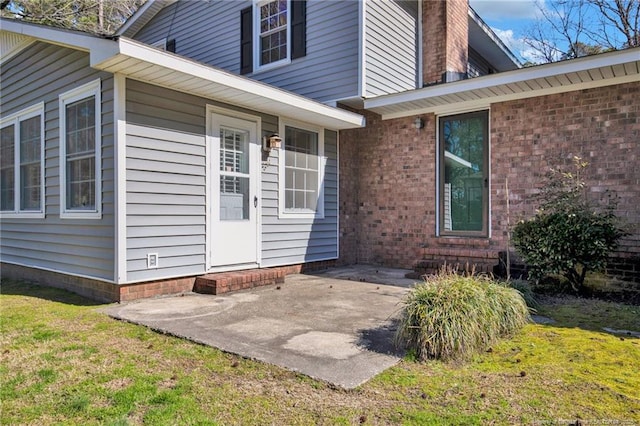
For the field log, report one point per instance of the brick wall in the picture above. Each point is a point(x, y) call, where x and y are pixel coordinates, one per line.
point(600, 125)
point(445, 38)
point(93, 289)
point(388, 177)
point(390, 166)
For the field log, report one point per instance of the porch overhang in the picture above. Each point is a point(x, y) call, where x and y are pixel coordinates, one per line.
point(141, 62)
point(477, 93)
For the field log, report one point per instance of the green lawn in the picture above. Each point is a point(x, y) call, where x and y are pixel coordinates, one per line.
point(63, 362)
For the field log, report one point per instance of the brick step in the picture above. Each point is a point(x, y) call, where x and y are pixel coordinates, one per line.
point(223, 282)
point(433, 266)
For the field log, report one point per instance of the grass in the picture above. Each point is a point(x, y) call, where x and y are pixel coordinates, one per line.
point(63, 362)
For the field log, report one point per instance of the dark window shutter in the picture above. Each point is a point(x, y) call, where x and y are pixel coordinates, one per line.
point(171, 45)
point(298, 28)
point(246, 40)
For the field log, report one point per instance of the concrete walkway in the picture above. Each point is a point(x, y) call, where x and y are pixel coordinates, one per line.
point(332, 326)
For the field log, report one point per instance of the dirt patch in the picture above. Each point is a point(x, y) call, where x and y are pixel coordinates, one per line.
point(117, 384)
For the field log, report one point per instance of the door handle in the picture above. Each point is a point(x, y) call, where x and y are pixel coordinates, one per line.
point(255, 201)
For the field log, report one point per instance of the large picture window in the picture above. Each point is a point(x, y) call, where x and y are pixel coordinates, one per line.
point(80, 152)
point(21, 162)
point(302, 171)
point(464, 174)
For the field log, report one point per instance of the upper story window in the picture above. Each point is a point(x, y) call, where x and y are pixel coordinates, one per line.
point(302, 172)
point(274, 23)
point(273, 32)
point(21, 163)
point(80, 160)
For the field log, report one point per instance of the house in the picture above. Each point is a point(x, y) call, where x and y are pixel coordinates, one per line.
point(128, 171)
point(190, 100)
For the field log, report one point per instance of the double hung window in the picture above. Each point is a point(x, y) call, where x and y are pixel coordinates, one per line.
point(21, 163)
point(302, 172)
point(273, 31)
point(80, 152)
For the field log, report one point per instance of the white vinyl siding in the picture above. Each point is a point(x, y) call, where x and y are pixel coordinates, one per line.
point(79, 247)
point(80, 149)
point(22, 163)
point(391, 46)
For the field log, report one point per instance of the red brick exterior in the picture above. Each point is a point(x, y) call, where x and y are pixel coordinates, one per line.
point(444, 39)
point(93, 289)
point(602, 126)
point(388, 176)
point(387, 191)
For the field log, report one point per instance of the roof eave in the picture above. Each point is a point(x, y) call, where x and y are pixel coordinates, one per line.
point(582, 73)
point(66, 38)
point(182, 74)
point(199, 79)
point(142, 16)
point(488, 44)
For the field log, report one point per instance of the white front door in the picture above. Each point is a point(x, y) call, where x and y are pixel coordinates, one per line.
point(234, 195)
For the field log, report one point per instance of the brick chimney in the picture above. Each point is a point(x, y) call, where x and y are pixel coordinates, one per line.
point(445, 45)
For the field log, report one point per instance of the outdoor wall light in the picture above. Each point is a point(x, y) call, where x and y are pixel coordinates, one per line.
point(271, 142)
point(418, 123)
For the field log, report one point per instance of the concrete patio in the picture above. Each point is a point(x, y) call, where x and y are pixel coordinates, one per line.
point(337, 326)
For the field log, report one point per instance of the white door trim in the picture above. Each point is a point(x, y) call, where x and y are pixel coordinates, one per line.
point(211, 111)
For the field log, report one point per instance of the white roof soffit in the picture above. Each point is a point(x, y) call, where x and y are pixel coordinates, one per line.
point(13, 29)
point(142, 62)
point(484, 41)
point(476, 93)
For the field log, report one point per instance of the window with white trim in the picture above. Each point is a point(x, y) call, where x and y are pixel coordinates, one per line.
point(273, 31)
point(80, 160)
point(21, 163)
point(302, 172)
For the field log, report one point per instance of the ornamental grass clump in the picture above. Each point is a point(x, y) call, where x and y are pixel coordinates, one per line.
point(452, 316)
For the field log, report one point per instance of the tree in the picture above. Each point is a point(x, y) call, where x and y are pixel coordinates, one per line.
point(95, 16)
point(580, 49)
point(567, 29)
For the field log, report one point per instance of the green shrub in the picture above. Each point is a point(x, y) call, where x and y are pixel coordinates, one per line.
point(453, 316)
point(569, 235)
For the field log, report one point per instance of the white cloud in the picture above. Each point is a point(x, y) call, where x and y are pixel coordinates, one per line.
point(506, 10)
point(518, 46)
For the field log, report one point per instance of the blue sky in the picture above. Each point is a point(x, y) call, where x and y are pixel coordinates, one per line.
point(509, 19)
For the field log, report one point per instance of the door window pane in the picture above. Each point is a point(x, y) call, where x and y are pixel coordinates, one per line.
point(234, 174)
point(464, 193)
